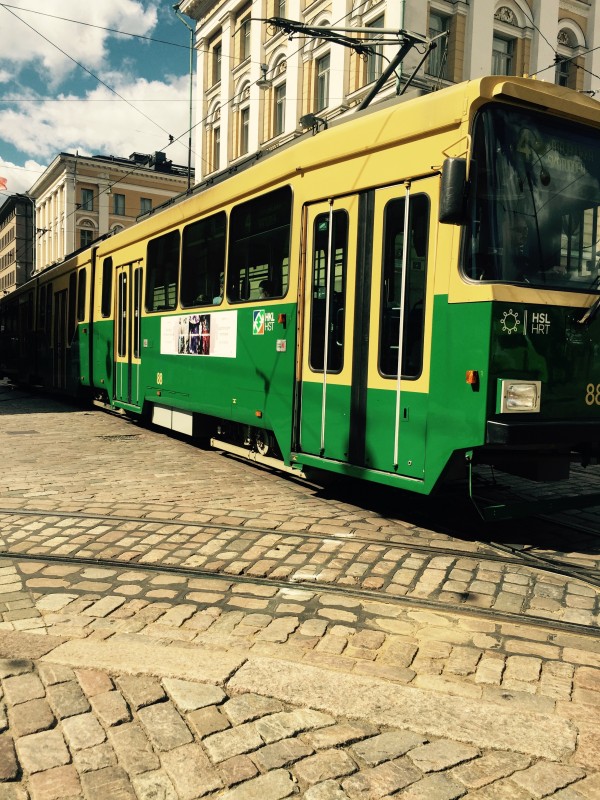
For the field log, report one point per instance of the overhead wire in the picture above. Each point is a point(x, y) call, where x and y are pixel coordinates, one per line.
point(172, 139)
point(84, 68)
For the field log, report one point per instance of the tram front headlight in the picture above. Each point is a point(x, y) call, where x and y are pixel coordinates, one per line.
point(519, 397)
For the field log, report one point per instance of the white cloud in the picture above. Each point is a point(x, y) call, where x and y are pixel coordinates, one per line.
point(100, 123)
point(21, 45)
point(19, 178)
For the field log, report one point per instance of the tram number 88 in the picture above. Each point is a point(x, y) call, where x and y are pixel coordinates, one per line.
point(592, 394)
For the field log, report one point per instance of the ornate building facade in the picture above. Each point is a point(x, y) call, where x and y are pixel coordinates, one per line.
point(255, 82)
point(79, 198)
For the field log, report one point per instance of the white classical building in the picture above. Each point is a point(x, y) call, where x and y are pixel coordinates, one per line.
point(255, 83)
point(79, 198)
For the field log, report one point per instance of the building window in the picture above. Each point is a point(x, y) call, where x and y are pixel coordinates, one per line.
point(87, 200)
point(145, 205)
point(86, 237)
point(503, 56)
point(216, 63)
point(563, 72)
point(375, 59)
point(279, 8)
point(436, 63)
point(245, 39)
point(119, 204)
point(216, 148)
point(279, 110)
point(322, 88)
point(566, 70)
point(244, 130)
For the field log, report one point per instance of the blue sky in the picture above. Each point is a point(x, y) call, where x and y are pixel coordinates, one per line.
point(49, 104)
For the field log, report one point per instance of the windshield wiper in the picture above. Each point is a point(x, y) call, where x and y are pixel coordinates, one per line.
point(592, 311)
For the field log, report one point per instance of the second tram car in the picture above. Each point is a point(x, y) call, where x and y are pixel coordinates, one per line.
point(405, 294)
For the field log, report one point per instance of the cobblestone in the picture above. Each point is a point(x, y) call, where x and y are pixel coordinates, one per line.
point(161, 724)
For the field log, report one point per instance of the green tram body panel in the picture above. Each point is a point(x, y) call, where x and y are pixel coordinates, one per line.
point(254, 388)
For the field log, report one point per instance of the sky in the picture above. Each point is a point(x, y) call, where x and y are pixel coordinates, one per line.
point(71, 87)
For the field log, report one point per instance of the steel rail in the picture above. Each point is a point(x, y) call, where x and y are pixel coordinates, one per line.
point(320, 588)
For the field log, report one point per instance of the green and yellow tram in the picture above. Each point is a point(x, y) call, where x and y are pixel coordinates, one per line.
point(410, 292)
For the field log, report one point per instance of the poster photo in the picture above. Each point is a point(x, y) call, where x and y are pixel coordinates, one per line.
point(199, 335)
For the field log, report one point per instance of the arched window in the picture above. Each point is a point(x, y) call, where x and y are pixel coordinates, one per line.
point(512, 24)
point(242, 101)
point(87, 232)
point(278, 74)
point(568, 42)
point(213, 138)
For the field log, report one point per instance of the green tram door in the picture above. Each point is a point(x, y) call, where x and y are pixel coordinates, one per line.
point(128, 298)
point(364, 310)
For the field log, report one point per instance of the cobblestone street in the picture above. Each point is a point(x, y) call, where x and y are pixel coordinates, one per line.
point(178, 624)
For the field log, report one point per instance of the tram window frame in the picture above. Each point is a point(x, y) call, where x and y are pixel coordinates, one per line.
point(137, 308)
point(72, 309)
point(415, 295)
point(107, 282)
point(258, 251)
point(162, 265)
point(81, 294)
point(316, 350)
point(42, 308)
point(49, 296)
point(203, 251)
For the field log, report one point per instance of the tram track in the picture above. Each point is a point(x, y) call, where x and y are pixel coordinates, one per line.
point(315, 587)
point(506, 556)
point(509, 554)
point(512, 555)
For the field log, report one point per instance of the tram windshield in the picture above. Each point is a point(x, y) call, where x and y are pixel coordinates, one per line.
point(535, 193)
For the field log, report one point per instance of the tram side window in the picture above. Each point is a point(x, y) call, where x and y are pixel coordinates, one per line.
point(48, 324)
point(107, 277)
point(414, 290)
point(81, 287)
point(42, 309)
point(162, 272)
point(72, 305)
point(259, 247)
point(45, 309)
point(203, 261)
point(334, 322)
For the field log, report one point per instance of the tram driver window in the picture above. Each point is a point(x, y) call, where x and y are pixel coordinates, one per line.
point(259, 247)
point(414, 289)
point(162, 272)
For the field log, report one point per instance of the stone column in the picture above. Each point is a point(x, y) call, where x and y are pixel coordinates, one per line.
point(227, 56)
point(592, 40)
point(545, 16)
point(479, 38)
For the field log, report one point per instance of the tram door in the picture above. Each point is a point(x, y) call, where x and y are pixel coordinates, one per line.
point(331, 238)
point(127, 334)
point(59, 360)
point(364, 312)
